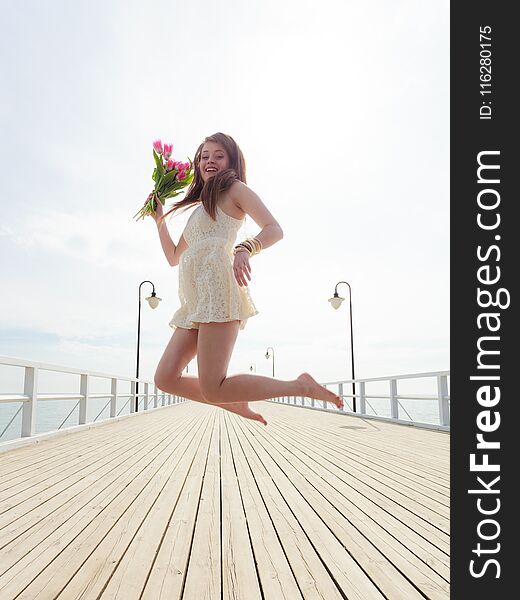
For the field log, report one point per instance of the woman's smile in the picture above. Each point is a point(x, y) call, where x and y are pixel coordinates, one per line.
point(213, 159)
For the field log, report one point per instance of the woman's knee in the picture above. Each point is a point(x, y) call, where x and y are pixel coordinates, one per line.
point(211, 390)
point(181, 349)
point(166, 383)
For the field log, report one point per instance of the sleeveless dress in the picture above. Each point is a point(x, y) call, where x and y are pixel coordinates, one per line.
point(208, 290)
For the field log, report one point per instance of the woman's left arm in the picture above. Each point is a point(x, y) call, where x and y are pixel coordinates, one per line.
point(250, 203)
point(270, 233)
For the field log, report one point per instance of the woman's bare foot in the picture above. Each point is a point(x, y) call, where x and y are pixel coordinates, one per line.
point(242, 409)
point(312, 389)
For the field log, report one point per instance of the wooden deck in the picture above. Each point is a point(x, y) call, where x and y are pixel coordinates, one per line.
point(193, 502)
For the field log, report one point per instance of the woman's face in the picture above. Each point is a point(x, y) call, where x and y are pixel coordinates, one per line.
point(213, 158)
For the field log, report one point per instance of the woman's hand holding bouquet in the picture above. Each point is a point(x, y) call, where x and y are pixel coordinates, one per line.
point(159, 211)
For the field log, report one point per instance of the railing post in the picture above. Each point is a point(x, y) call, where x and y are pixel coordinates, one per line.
point(155, 398)
point(442, 393)
point(393, 399)
point(147, 395)
point(84, 385)
point(30, 388)
point(113, 399)
point(340, 394)
point(132, 396)
point(362, 398)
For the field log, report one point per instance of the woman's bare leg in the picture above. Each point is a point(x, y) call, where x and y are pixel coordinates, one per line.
point(182, 348)
point(188, 386)
point(214, 347)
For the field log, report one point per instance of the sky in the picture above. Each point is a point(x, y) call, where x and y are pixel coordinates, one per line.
point(341, 109)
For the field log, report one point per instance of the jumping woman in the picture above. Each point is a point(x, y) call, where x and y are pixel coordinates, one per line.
point(213, 290)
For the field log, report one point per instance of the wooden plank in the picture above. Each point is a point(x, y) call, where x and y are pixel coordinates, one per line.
point(378, 439)
point(420, 503)
point(239, 578)
point(52, 447)
point(276, 577)
point(203, 577)
point(368, 542)
point(409, 477)
point(93, 540)
point(395, 433)
point(313, 504)
point(374, 446)
point(340, 546)
point(369, 498)
point(319, 563)
point(27, 512)
point(69, 469)
point(156, 560)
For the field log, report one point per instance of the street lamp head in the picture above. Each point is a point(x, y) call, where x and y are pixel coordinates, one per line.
point(336, 300)
point(153, 300)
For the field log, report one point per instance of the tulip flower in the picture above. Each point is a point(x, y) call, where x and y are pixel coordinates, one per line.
point(158, 147)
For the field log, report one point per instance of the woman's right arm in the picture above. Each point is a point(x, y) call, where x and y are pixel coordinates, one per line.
point(167, 244)
point(171, 251)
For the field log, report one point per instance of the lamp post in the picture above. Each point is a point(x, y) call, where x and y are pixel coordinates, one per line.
point(267, 355)
point(252, 367)
point(153, 301)
point(336, 301)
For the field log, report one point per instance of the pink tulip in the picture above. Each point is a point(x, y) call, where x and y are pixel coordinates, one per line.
point(170, 164)
point(168, 148)
point(185, 166)
point(181, 175)
point(158, 147)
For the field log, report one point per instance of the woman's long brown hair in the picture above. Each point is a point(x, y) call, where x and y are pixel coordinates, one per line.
point(208, 193)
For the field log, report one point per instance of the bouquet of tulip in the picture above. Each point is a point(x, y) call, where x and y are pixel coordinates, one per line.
point(170, 178)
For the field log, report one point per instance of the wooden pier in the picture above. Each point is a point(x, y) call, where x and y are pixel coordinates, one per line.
point(193, 502)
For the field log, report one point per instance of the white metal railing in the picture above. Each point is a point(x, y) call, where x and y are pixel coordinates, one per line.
point(30, 398)
point(441, 397)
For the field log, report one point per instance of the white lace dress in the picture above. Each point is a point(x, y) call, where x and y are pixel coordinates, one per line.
point(208, 290)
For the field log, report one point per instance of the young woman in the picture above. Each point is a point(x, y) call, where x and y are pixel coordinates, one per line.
point(213, 291)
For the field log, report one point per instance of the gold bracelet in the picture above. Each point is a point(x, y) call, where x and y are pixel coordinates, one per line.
point(252, 245)
point(255, 245)
point(245, 246)
point(258, 244)
point(240, 249)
